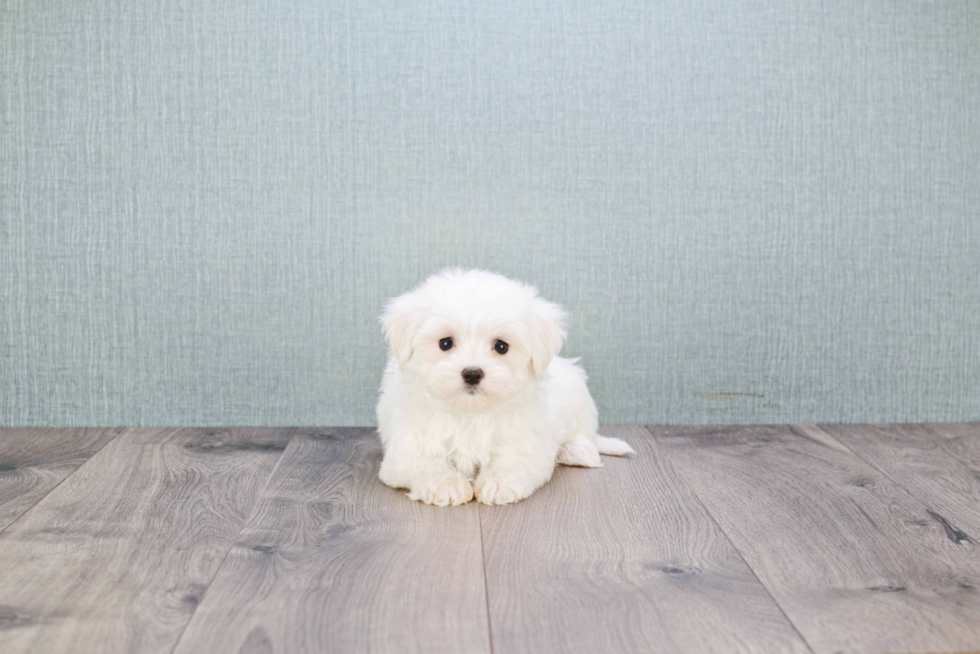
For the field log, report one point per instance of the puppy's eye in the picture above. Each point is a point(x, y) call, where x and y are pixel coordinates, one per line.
point(446, 343)
point(500, 347)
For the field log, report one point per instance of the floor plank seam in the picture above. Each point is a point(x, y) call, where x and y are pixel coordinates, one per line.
point(680, 476)
point(486, 580)
point(935, 511)
point(251, 514)
point(120, 432)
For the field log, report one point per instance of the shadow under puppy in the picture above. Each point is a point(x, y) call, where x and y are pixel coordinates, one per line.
point(474, 400)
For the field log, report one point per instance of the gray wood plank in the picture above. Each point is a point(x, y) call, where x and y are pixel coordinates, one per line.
point(622, 559)
point(334, 561)
point(939, 463)
point(856, 562)
point(34, 460)
point(116, 558)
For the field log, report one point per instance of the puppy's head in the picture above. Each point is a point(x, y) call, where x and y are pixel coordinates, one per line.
point(474, 338)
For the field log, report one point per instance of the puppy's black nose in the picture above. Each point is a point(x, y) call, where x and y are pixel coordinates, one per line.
point(472, 376)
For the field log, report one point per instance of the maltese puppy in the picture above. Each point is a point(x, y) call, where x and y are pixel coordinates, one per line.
point(474, 401)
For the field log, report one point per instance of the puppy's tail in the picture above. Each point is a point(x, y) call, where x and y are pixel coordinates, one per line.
point(613, 446)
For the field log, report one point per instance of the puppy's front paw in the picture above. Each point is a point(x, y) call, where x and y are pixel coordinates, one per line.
point(447, 490)
point(491, 489)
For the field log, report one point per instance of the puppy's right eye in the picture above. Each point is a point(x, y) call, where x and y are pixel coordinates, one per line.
point(446, 343)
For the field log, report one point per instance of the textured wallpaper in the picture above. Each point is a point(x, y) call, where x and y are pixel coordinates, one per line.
point(754, 211)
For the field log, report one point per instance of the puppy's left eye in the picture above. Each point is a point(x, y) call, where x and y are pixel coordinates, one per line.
point(500, 347)
point(446, 343)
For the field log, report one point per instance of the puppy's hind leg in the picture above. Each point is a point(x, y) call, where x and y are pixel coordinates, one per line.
point(580, 451)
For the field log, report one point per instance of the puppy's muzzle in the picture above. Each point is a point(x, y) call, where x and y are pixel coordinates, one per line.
point(472, 376)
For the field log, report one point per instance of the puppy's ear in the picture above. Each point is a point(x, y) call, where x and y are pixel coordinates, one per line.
point(547, 334)
point(400, 322)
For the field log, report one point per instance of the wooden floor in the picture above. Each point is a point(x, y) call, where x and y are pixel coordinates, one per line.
point(710, 539)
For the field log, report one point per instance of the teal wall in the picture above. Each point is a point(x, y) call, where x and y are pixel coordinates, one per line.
point(754, 211)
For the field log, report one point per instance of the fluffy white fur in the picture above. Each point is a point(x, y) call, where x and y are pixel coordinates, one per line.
point(448, 442)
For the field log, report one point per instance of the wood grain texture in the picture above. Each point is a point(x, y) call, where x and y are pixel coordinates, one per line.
point(856, 562)
point(939, 463)
point(622, 559)
point(35, 460)
point(334, 561)
point(116, 558)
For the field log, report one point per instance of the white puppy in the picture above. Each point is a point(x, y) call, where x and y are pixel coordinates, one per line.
point(473, 398)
